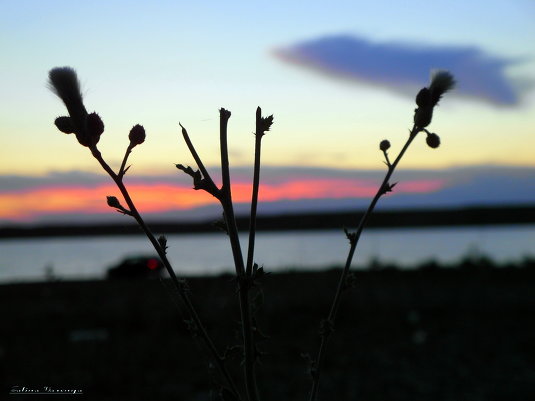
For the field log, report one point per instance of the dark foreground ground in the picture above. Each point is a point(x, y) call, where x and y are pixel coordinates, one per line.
point(463, 335)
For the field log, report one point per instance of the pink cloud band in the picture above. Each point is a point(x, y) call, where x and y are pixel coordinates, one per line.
point(154, 197)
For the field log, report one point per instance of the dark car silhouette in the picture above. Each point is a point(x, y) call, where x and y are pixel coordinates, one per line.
point(137, 267)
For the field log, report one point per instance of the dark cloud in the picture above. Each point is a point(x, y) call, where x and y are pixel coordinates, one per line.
point(403, 67)
point(484, 183)
point(82, 179)
point(70, 178)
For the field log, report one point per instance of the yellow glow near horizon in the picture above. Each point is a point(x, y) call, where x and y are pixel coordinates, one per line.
point(161, 73)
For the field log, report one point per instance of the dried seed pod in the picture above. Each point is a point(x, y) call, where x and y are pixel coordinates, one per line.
point(423, 116)
point(433, 140)
point(113, 202)
point(384, 145)
point(95, 128)
point(137, 135)
point(423, 98)
point(64, 124)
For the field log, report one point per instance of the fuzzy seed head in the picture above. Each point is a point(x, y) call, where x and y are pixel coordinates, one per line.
point(64, 82)
point(441, 82)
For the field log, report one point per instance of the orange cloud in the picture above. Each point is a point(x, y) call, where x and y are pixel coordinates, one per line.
point(160, 197)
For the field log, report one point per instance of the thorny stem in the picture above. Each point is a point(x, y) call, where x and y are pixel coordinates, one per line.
point(316, 368)
point(254, 203)
point(220, 360)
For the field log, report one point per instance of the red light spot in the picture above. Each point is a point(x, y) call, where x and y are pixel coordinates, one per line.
point(152, 264)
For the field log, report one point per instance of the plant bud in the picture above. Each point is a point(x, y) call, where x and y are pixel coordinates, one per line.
point(113, 202)
point(89, 135)
point(223, 113)
point(95, 127)
point(433, 140)
point(423, 98)
point(162, 240)
point(137, 135)
point(384, 145)
point(64, 124)
point(423, 116)
point(263, 124)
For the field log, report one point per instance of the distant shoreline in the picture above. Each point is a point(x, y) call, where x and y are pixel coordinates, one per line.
point(466, 216)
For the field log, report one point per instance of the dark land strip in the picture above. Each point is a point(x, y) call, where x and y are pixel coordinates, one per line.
point(469, 216)
point(446, 334)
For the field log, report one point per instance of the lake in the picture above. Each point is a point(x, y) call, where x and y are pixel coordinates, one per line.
point(200, 254)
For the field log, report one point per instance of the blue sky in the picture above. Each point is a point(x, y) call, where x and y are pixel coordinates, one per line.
point(165, 62)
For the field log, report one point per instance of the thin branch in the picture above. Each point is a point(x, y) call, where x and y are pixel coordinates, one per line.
point(220, 360)
point(387, 162)
point(226, 194)
point(123, 170)
point(243, 281)
point(254, 198)
point(211, 187)
point(328, 324)
point(224, 116)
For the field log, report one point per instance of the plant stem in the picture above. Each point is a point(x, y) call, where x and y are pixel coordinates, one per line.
point(254, 203)
point(220, 360)
point(123, 164)
point(243, 281)
point(226, 196)
point(212, 188)
point(316, 370)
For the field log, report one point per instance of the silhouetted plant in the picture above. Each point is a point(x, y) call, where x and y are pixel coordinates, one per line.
point(427, 99)
point(88, 127)
point(246, 273)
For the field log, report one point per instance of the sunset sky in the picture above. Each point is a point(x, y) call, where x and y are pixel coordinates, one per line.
point(339, 77)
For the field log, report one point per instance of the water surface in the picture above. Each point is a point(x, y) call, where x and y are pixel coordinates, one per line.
point(89, 257)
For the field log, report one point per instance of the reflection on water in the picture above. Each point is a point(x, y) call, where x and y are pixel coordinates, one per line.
point(26, 259)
